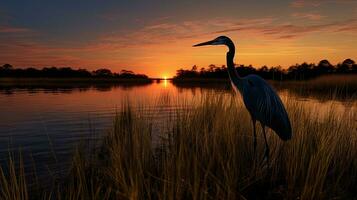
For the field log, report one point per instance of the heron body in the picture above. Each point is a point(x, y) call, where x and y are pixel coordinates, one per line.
point(260, 99)
point(265, 106)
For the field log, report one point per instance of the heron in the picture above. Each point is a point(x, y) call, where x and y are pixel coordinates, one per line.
point(260, 99)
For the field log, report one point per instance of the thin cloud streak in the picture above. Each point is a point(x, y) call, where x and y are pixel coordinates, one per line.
point(264, 28)
point(290, 31)
point(9, 29)
point(159, 33)
point(310, 16)
point(316, 3)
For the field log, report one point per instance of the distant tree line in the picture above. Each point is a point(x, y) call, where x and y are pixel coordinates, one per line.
point(8, 70)
point(302, 71)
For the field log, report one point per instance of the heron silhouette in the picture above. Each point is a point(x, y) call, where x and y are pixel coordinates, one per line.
point(260, 99)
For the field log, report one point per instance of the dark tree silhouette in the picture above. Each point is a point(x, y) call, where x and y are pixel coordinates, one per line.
point(7, 67)
point(64, 72)
point(302, 71)
point(324, 67)
point(102, 73)
point(349, 62)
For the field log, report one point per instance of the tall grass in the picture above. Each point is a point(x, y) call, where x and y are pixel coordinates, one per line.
point(329, 86)
point(206, 152)
point(13, 183)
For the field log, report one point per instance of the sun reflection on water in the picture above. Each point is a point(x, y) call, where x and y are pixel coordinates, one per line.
point(165, 82)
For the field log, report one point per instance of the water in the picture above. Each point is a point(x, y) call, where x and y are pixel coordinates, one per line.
point(46, 123)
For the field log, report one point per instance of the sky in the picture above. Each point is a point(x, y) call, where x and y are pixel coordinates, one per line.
point(155, 37)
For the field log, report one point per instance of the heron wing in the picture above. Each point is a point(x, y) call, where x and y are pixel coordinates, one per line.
point(265, 105)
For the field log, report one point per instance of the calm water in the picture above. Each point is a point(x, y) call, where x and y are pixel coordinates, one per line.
point(46, 123)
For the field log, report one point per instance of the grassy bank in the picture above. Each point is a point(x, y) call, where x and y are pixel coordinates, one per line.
point(207, 153)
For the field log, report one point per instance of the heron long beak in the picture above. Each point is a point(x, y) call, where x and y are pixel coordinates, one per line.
point(204, 43)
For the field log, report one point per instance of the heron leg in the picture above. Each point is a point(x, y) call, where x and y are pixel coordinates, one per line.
point(255, 136)
point(266, 143)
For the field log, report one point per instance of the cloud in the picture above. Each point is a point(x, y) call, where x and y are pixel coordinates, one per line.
point(291, 31)
point(310, 16)
point(9, 29)
point(166, 32)
point(26, 53)
point(303, 3)
point(316, 3)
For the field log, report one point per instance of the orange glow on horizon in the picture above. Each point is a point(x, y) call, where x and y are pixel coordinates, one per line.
point(163, 59)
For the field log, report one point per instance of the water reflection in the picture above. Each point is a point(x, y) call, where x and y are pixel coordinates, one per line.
point(165, 82)
point(67, 87)
point(297, 90)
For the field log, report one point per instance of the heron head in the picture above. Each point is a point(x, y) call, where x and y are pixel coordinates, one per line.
point(221, 40)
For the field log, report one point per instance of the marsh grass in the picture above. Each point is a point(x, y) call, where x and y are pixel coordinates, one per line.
point(324, 87)
point(13, 182)
point(206, 152)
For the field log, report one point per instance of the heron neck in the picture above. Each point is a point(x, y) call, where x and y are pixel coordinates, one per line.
point(232, 72)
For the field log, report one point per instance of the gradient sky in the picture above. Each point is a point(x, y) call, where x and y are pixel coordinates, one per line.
point(155, 37)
